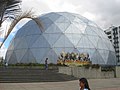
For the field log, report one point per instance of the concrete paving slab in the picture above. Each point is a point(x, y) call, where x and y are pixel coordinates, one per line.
point(95, 84)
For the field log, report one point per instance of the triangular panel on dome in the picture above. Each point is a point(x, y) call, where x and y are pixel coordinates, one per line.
point(97, 58)
point(17, 41)
point(72, 29)
point(33, 29)
point(28, 57)
point(59, 50)
point(69, 50)
point(111, 47)
point(63, 26)
point(53, 28)
point(84, 42)
point(31, 39)
point(41, 42)
point(45, 20)
point(103, 33)
point(97, 30)
point(77, 20)
point(13, 59)
point(104, 54)
point(81, 26)
point(25, 58)
point(25, 30)
point(20, 53)
point(39, 53)
point(52, 57)
point(31, 57)
point(21, 30)
point(107, 43)
point(46, 26)
point(90, 44)
point(90, 52)
point(93, 40)
point(62, 19)
point(101, 44)
point(68, 43)
point(69, 16)
point(90, 31)
point(111, 58)
point(53, 16)
point(83, 19)
point(8, 54)
point(74, 38)
point(63, 41)
point(52, 38)
point(81, 50)
point(22, 44)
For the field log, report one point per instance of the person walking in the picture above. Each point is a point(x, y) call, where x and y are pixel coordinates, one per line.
point(83, 83)
point(46, 64)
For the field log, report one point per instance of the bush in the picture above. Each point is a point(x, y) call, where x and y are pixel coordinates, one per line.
point(26, 64)
point(95, 66)
point(107, 68)
point(87, 66)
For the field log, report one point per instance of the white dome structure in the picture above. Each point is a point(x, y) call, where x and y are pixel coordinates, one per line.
point(62, 31)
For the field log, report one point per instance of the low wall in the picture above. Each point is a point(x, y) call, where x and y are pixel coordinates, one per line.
point(90, 72)
point(118, 71)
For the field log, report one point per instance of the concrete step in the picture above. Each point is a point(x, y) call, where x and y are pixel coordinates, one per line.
point(32, 75)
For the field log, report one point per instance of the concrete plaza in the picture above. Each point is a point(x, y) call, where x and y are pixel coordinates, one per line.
point(95, 84)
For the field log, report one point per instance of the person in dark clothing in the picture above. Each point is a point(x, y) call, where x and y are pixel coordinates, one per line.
point(83, 84)
point(46, 64)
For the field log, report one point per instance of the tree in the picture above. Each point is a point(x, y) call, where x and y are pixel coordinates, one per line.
point(8, 9)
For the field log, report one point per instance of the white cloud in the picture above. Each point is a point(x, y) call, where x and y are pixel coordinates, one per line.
point(102, 12)
point(37, 6)
point(89, 15)
point(60, 6)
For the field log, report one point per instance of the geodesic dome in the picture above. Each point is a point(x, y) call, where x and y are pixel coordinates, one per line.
point(62, 31)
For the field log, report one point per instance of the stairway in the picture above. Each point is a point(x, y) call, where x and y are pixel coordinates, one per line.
point(10, 74)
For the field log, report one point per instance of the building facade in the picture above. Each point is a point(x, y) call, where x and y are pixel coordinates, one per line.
point(113, 34)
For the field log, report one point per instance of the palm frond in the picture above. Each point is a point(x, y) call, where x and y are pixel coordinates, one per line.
point(20, 17)
point(8, 7)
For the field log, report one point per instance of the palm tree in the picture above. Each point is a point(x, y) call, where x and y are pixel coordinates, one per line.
point(8, 9)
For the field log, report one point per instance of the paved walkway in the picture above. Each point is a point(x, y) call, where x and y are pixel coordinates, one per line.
point(95, 84)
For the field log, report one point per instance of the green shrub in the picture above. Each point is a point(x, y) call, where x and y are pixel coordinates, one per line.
point(95, 66)
point(87, 66)
point(107, 68)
